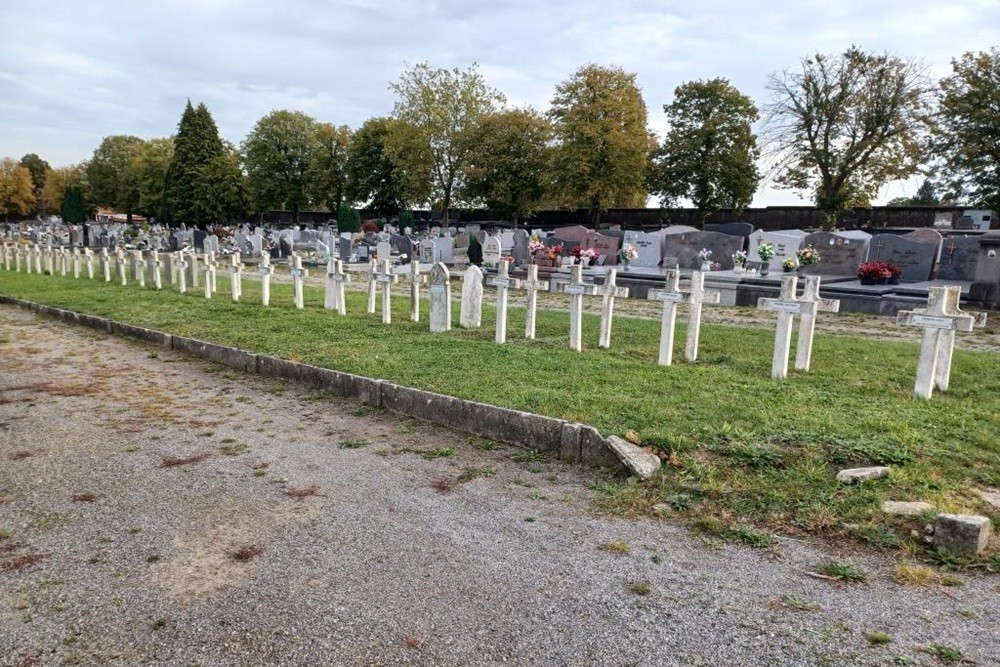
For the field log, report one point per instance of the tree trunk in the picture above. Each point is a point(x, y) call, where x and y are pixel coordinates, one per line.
point(295, 212)
point(445, 205)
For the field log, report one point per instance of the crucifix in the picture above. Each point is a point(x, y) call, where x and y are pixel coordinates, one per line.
point(209, 269)
point(88, 259)
point(807, 322)
point(63, 261)
point(787, 306)
point(503, 282)
point(697, 296)
point(576, 288)
point(265, 270)
point(47, 256)
point(182, 266)
point(138, 268)
point(334, 298)
point(440, 298)
point(76, 262)
point(106, 264)
point(878, 250)
point(298, 278)
point(532, 285)
point(610, 290)
point(236, 276)
point(17, 259)
point(951, 250)
point(672, 295)
point(940, 320)
point(386, 278)
point(38, 259)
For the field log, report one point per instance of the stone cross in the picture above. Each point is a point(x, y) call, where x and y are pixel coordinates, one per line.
point(416, 280)
point(502, 282)
point(28, 258)
point(807, 322)
point(182, 266)
point(106, 265)
point(236, 276)
point(154, 265)
point(76, 262)
point(120, 266)
point(192, 261)
point(576, 288)
point(209, 269)
point(335, 279)
point(440, 298)
point(940, 320)
point(372, 286)
point(17, 259)
point(787, 306)
point(671, 295)
point(47, 256)
point(610, 290)
point(139, 268)
point(386, 278)
point(265, 270)
point(63, 261)
point(298, 277)
point(171, 268)
point(471, 313)
point(88, 258)
point(697, 297)
point(38, 259)
point(532, 285)
point(5, 257)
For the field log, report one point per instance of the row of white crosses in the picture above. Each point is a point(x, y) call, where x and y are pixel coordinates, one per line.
point(787, 305)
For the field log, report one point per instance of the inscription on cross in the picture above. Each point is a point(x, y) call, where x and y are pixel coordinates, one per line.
point(672, 295)
point(940, 320)
point(503, 282)
point(440, 298)
point(787, 306)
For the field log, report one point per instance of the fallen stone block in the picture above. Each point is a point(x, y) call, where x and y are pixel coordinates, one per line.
point(962, 534)
point(905, 508)
point(858, 475)
point(640, 463)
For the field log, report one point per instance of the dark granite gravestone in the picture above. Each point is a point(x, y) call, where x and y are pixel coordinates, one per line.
point(683, 249)
point(402, 245)
point(606, 245)
point(914, 258)
point(733, 228)
point(364, 251)
point(344, 248)
point(840, 256)
point(576, 234)
point(520, 250)
point(958, 258)
point(567, 245)
point(199, 238)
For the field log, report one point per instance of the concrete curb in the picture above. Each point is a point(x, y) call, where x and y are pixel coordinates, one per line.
point(571, 442)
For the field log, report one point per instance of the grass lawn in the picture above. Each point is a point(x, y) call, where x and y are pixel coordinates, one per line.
point(741, 448)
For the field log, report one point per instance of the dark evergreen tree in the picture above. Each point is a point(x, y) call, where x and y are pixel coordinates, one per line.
point(193, 188)
point(73, 208)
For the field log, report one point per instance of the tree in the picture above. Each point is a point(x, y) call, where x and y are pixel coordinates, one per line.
point(190, 194)
point(348, 219)
point(327, 169)
point(154, 163)
point(223, 190)
point(73, 207)
point(508, 166)
point(438, 110)
point(17, 191)
point(710, 152)
point(845, 125)
point(602, 142)
point(925, 196)
point(59, 179)
point(966, 142)
point(113, 174)
point(374, 177)
point(38, 168)
point(277, 155)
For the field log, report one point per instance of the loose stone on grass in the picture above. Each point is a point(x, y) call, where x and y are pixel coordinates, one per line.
point(905, 508)
point(962, 534)
point(858, 475)
point(640, 463)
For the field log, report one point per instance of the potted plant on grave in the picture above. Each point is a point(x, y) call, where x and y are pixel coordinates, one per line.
point(807, 255)
point(627, 254)
point(766, 253)
point(739, 261)
point(554, 253)
point(874, 272)
point(895, 272)
point(590, 256)
point(535, 247)
point(789, 265)
point(705, 255)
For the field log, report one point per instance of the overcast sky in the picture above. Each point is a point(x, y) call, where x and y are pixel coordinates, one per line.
point(72, 72)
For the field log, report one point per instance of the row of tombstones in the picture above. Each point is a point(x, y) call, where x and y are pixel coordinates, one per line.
point(940, 319)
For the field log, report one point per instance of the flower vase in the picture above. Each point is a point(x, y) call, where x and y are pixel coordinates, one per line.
point(706, 266)
point(765, 269)
point(738, 268)
point(625, 264)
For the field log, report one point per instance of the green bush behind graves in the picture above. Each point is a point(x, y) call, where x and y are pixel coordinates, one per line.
point(740, 446)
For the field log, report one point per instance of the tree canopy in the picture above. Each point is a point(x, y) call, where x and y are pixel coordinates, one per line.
point(602, 142)
point(845, 125)
point(373, 177)
point(17, 191)
point(967, 137)
point(277, 155)
point(710, 152)
point(438, 110)
point(113, 174)
point(154, 162)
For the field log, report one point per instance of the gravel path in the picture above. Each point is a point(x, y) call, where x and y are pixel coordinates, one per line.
point(393, 560)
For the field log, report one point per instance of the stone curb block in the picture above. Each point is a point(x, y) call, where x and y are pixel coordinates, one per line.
point(573, 443)
point(227, 356)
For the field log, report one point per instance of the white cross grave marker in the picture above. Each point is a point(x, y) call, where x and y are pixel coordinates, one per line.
point(695, 296)
point(17, 259)
point(63, 261)
point(372, 286)
point(416, 280)
point(47, 256)
point(576, 288)
point(265, 270)
point(386, 277)
point(940, 320)
point(209, 269)
point(88, 259)
point(532, 285)
point(182, 266)
point(440, 298)
point(610, 290)
point(120, 266)
point(502, 281)
point(787, 306)
point(138, 268)
point(154, 269)
point(298, 276)
point(76, 262)
point(335, 279)
point(236, 276)
point(106, 265)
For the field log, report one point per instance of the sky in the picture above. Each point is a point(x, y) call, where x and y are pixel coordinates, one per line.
point(73, 72)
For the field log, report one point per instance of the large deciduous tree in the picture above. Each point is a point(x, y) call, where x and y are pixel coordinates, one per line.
point(438, 111)
point(17, 190)
point(194, 192)
point(38, 168)
point(602, 141)
point(508, 167)
point(967, 138)
point(113, 174)
point(710, 152)
point(327, 170)
point(277, 155)
point(372, 175)
point(842, 126)
point(59, 179)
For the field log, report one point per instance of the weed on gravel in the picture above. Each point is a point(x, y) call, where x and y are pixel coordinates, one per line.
point(842, 572)
point(797, 603)
point(247, 553)
point(617, 547)
point(20, 562)
point(85, 497)
point(20, 455)
point(476, 473)
point(171, 461)
point(640, 588)
point(946, 655)
point(353, 444)
point(303, 492)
